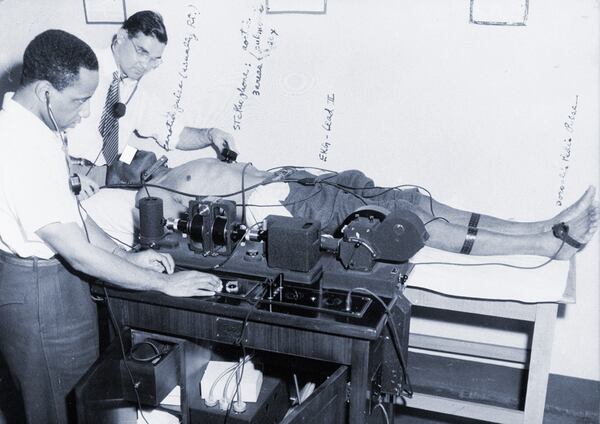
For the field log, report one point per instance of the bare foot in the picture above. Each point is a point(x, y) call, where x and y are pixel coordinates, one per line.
point(581, 228)
point(574, 210)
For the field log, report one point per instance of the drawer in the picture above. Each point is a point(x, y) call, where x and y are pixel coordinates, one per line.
point(102, 398)
point(326, 405)
point(104, 394)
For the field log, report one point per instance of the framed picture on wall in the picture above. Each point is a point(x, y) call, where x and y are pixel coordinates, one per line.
point(104, 11)
point(499, 12)
point(318, 7)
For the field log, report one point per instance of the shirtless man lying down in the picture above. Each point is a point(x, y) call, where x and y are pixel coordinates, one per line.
point(332, 197)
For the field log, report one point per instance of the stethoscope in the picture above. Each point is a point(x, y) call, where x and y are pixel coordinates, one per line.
point(119, 108)
point(118, 111)
point(74, 180)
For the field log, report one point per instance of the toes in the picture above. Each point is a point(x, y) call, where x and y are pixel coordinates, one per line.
point(589, 194)
point(592, 190)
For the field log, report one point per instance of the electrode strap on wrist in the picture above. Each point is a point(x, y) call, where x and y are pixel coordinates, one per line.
point(119, 251)
point(469, 241)
point(228, 155)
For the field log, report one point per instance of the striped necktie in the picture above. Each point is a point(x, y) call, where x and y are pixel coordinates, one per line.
point(109, 124)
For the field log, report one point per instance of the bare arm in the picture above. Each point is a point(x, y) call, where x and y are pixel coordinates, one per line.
point(148, 259)
point(69, 241)
point(199, 138)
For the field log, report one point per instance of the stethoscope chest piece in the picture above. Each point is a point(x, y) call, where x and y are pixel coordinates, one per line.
point(119, 109)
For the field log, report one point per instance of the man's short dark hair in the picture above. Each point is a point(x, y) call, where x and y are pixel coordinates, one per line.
point(56, 56)
point(148, 23)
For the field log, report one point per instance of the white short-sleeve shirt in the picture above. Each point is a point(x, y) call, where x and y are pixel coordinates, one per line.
point(144, 113)
point(34, 182)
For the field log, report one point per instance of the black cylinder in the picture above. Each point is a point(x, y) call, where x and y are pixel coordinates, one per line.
point(151, 221)
point(195, 227)
point(119, 110)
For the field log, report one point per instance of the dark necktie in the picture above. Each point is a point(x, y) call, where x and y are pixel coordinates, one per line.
point(109, 124)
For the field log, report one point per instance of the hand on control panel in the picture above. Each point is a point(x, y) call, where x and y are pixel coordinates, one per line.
point(192, 283)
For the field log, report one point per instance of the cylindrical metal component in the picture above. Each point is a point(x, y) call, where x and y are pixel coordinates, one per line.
point(151, 221)
point(219, 231)
point(194, 228)
point(329, 243)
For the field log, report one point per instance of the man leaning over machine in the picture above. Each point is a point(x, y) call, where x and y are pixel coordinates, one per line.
point(48, 328)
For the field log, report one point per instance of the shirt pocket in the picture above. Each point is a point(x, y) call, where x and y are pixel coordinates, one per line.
point(9, 297)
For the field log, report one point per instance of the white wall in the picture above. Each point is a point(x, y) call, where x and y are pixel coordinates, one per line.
point(475, 113)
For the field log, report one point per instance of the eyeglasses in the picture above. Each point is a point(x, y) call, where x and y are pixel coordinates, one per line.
point(144, 56)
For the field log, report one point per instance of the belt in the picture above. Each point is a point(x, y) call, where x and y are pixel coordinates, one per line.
point(28, 262)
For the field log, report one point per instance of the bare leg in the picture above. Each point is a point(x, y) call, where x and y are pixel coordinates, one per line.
point(498, 225)
point(450, 237)
point(582, 228)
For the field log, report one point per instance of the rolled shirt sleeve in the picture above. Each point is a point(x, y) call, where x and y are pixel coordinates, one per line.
point(44, 197)
point(34, 182)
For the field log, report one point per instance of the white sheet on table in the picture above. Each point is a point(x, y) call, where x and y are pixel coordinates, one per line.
point(545, 284)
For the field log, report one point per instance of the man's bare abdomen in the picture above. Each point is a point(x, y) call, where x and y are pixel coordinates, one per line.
point(211, 177)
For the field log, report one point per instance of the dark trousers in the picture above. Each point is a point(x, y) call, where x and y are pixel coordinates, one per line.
point(336, 197)
point(48, 333)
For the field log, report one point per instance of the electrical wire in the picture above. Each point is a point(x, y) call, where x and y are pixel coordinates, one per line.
point(114, 322)
point(94, 162)
point(386, 189)
point(87, 235)
point(237, 385)
point(67, 160)
point(235, 246)
point(346, 188)
point(318, 181)
point(79, 208)
point(139, 186)
point(342, 188)
point(236, 367)
point(244, 193)
point(223, 374)
point(110, 236)
point(240, 342)
point(406, 384)
point(146, 188)
point(552, 258)
point(383, 411)
point(295, 167)
point(435, 219)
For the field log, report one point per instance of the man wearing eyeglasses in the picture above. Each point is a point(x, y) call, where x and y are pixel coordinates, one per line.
point(124, 107)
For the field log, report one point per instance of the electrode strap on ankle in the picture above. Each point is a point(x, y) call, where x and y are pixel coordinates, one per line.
point(469, 241)
point(474, 221)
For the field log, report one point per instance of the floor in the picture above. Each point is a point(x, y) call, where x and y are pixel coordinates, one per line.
point(450, 377)
point(11, 408)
